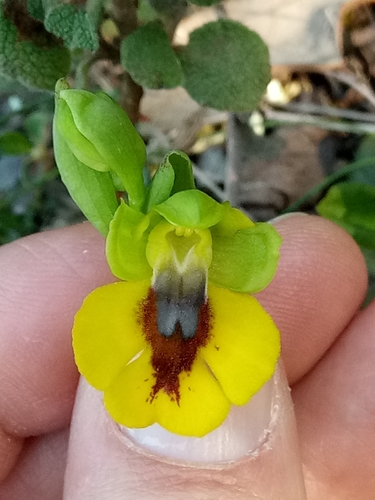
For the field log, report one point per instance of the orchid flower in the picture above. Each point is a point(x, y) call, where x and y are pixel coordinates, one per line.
point(179, 338)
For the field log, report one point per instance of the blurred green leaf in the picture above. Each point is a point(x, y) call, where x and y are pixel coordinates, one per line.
point(352, 206)
point(226, 66)
point(169, 8)
point(14, 226)
point(149, 58)
point(146, 12)
point(369, 256)
point(14, 143)
point(365, 150)
point(76, 25)
point(204, 3)
point(35, 125)
point(36, 9)
point(27, 52)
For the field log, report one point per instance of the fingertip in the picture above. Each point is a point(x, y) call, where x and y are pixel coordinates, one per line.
point(43, 281)
point(320, 284)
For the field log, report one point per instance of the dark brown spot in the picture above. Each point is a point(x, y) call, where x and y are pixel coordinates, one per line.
point(173, 355)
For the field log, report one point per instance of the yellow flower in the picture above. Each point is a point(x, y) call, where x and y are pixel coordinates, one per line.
point(180, 339)
point(172, 347)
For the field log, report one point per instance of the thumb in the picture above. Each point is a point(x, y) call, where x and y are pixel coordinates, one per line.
point(253, 453)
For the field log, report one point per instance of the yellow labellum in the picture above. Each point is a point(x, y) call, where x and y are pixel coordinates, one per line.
point(187, 386)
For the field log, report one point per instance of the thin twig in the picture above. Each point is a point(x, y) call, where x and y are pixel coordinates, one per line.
point(275, 118)
point(124, 14)
point(317, 109)
point(351, 80)
point(329, 181)
point(208, 183)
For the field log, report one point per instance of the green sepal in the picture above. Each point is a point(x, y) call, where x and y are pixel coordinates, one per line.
point(160, 187)
point(192, 209)
point(244, 260)
point(233, 220)
point(183, 171)
point(174, 174)
point(112, 141)
point(351, 205)
point(91, 190)
point(126, 244)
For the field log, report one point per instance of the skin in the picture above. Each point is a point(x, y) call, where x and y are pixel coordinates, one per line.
point(328, 351)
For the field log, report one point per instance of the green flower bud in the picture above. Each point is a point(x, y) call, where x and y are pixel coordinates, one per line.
point(101, 136)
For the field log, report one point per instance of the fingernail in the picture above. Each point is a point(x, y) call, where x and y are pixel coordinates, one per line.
point(243, 431)
point(254, 454)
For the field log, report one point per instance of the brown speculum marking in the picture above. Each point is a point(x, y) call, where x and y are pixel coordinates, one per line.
point(174, 354)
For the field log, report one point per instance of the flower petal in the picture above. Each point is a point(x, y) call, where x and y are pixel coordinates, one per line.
point(192, 208)
point(203, 405)
point(245, 344)
point(128, 399)
point(106, 331)
point(244, 260)
point(126, 244)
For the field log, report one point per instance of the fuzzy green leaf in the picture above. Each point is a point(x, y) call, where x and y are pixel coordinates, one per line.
point(171, 9)
point(14, 143)
point(126, 244)
point(149, 58)
point(27, 52)
point(225, 66)
point(204, 3)
point(36, 9)
point(76, 25)
point(352, 206)
point(192, 209)
point(92, 191)
point(146, 13)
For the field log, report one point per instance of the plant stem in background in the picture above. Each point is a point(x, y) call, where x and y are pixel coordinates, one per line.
point(124, 14)
point(329, 181)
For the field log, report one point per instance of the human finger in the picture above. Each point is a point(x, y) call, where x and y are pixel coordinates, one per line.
point(112, 465)
point(335, 408)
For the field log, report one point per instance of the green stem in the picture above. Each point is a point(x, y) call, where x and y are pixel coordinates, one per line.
point(329, 181)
